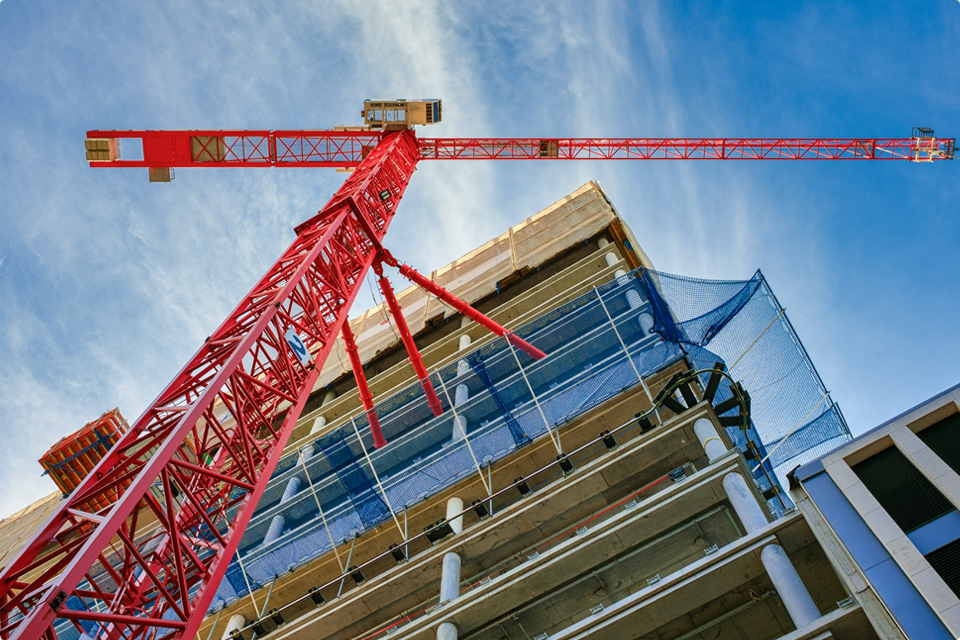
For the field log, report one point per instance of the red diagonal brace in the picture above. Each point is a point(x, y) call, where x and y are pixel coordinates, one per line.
point(351, 346)
point(462, 307)
point(408, 342)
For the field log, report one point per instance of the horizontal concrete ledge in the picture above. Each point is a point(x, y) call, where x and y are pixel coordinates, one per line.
point(522, 523)
point(658, 514)
point(820, 629)
point(674, 595)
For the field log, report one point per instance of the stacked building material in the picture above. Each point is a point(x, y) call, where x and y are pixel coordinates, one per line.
point(70, 460)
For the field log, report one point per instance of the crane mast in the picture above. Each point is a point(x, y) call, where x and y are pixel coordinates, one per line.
point(199, 458)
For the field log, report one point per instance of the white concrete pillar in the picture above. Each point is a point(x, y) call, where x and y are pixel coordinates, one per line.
point(465, 341)
point(633, 299)
point(790, 588)
point(603, 243)
point(783, 575)
point(279, 522)
point(707, 435)
point(450, 578)
point(235, 623)
point(460, 395)
point(611, 259)
point(318, 425)
point(447, 631)
point(293, 485)
point(744, 502)
point(646, 322)
point(321, 422)
point(454, 507)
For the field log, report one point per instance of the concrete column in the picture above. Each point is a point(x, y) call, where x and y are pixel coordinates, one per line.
point(308, 451)
point(786, 581)
point(465, 341)
point(450, 578)
point(611, 259)
point(321, 422)
point(279, 522)
point(744, 502)
point(447, 631)
point(603, 243)
point(707, 435)
point(789, 587)
point(460, 395)
point(454, 507)
point(235, 622)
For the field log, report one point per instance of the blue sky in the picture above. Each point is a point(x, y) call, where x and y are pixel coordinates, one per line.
point(108, 284)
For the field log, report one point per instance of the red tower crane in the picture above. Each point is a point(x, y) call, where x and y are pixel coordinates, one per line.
point(150, 562)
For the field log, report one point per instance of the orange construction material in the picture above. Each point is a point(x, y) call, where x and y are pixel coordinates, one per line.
point(71, 459)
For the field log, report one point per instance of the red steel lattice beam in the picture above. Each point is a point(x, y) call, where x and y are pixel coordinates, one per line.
point(348, 148)
point(211, 439)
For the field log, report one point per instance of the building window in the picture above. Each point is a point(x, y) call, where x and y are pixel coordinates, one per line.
point(902, 490)
point(944, 439)
point(946, 562)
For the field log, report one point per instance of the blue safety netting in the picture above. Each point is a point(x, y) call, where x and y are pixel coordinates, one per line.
point(497, 399)
point(744, 324)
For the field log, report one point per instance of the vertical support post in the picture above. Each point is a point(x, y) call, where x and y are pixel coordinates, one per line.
point(279, 521)
point(408, 341)
point(460, 424)
point(351, 346)
point(624, 345)
point(326, 526)
point(343, 578)
point(215, 621)
point(376, 477)
point(246, 581)
point(556, 441)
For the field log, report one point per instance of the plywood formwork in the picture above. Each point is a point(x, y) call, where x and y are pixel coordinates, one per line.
point(17, 529)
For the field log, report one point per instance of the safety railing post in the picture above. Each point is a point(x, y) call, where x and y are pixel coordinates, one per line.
point(536, 401)
point(626, 351)
point(462, 425)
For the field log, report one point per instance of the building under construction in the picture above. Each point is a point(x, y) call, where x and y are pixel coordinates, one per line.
point(620, 487)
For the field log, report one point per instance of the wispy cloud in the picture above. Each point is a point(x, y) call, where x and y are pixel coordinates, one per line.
point(108, 283)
